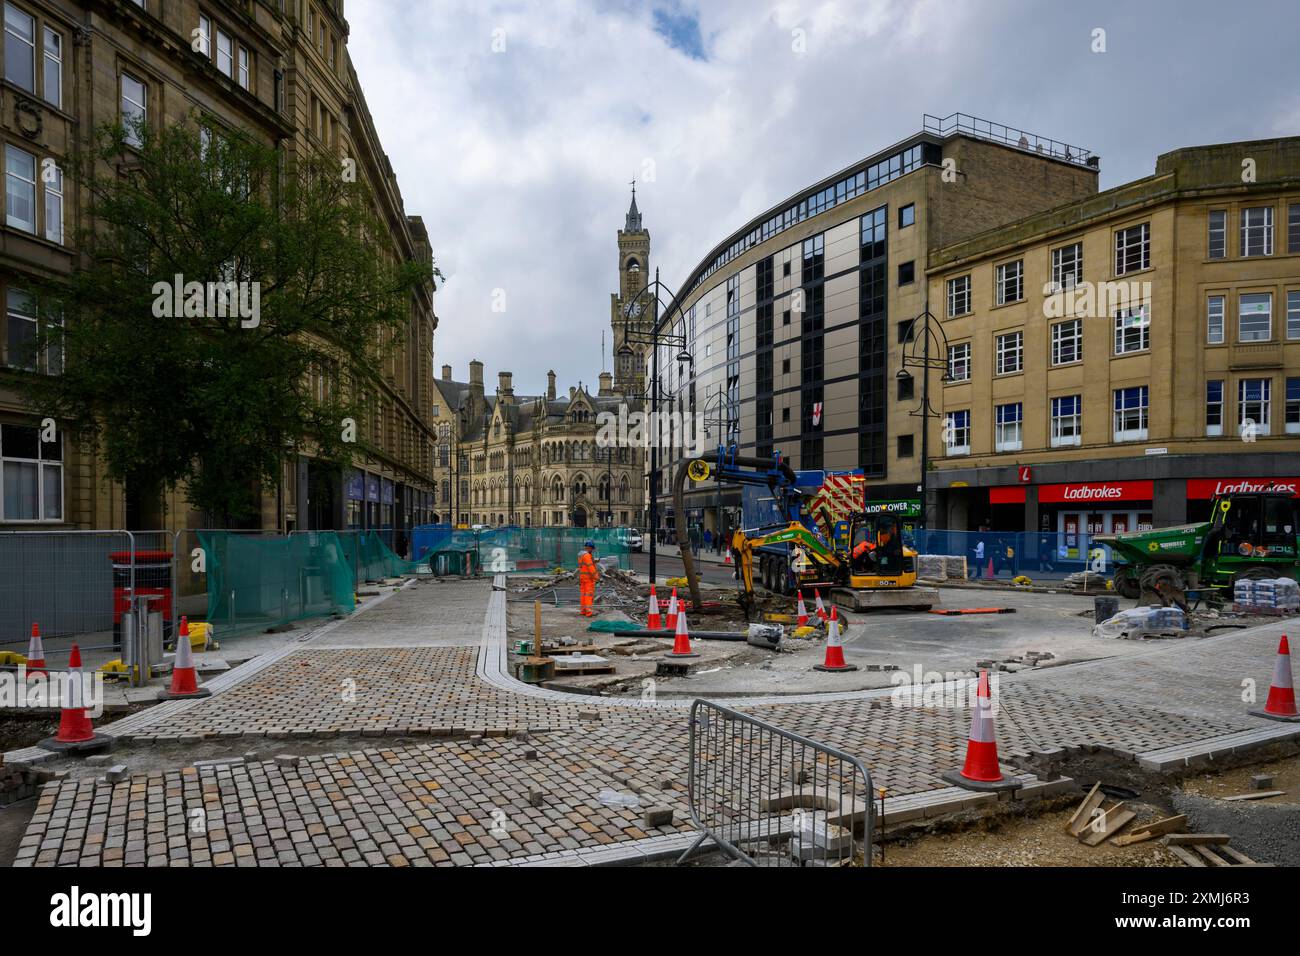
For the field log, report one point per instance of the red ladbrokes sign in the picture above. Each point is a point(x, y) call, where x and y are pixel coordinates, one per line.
point(1091, 492)
point(1202, 488)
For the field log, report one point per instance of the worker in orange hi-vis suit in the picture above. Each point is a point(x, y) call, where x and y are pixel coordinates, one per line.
point(588, 574)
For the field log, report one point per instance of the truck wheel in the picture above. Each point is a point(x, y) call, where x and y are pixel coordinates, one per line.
point(1162, 575)
point(1126, 583)
point(783, 577)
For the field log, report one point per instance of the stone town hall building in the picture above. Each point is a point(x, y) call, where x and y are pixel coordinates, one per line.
point(533, 460)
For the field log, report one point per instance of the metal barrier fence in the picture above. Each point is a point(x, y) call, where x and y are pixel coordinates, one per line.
point(108, 592)
point(1045, 555)
point(64, 582)
point(770, 797)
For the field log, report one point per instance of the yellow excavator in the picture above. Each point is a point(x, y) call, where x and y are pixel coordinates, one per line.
point(869, 568)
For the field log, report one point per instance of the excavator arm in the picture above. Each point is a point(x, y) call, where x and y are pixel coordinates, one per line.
point(742, 549)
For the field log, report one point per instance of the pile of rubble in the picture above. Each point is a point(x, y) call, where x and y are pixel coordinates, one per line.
point(617, 587)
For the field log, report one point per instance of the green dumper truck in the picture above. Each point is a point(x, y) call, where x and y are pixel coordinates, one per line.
point(1249, 535)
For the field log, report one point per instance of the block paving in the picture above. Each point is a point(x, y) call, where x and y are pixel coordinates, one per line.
point(511, 773)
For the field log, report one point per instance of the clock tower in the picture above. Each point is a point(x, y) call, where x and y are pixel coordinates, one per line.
point(626, 309)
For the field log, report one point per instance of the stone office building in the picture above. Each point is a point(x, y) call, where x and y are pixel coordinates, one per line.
point(1116, 361)
point(278, 70)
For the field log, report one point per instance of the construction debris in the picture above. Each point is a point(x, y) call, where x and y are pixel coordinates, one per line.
point(1256, 795)
point(953, 612)
point(1152, 830)
point(1093, 823)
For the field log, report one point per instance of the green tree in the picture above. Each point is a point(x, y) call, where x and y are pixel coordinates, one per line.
point(286, 280)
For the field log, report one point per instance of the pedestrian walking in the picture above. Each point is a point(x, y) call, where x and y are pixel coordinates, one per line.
point(977, 554)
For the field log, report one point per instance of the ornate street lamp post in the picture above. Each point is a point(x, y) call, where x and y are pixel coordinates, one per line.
point(654, 296)
point(927, 349)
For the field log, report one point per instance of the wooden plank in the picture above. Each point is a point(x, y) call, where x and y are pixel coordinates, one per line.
point(1238, 857)
point(1116, 818)
point(1256, 795)
point(1189, 858)
point(1210, 855)
point(1082, 815)
point(1152, 830)
point(1192, 839)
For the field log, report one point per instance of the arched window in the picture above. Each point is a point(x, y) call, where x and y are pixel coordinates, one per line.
point(557, 489)
point(623, 489)
point(633, 265)
point(604, 488)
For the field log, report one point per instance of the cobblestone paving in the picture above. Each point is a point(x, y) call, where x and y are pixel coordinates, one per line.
point(460, 802)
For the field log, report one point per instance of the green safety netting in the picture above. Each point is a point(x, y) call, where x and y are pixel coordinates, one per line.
point(260, 582)
point(371, 559)
point(531, 549)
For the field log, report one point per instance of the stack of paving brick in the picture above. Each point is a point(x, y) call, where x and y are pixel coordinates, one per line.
point(940, 567)
point(17, 782)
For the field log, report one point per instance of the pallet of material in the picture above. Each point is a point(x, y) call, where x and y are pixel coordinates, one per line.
point(551, 650)
point(583, 664)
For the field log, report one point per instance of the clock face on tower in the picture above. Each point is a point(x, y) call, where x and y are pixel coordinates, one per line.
point(632, 309)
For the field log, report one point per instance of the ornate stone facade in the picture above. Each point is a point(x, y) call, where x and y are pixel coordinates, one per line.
point(534, 461)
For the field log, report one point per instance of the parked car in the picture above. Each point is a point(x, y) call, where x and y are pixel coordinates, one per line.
point(630, 538)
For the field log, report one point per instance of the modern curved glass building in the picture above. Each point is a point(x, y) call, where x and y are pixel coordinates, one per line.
point(798, 320)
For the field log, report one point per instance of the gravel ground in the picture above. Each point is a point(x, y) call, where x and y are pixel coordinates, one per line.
point(1265, 833)
point(1027, 839)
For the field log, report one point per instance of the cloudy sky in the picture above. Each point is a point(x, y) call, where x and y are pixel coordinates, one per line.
point(515, 128)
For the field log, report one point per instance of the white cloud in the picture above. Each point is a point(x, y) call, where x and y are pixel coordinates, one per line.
point(519, 161)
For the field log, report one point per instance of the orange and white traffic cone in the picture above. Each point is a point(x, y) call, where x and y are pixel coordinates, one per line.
point(36, 652)
point(727, 558)
point(672, 611)
point(682, 640)
point(1281, 693)
point(988, 571)
point(834, 648)
point(653, 620)
point(982, 744)
point(802, 611)
point(185, 682)
point(981, 770)
point(821, 608)
point(76, 732)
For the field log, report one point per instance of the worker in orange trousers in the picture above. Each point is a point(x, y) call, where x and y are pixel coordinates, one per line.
point(588, 575)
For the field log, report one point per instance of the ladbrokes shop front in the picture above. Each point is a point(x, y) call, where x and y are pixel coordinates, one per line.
point(1025, 499)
